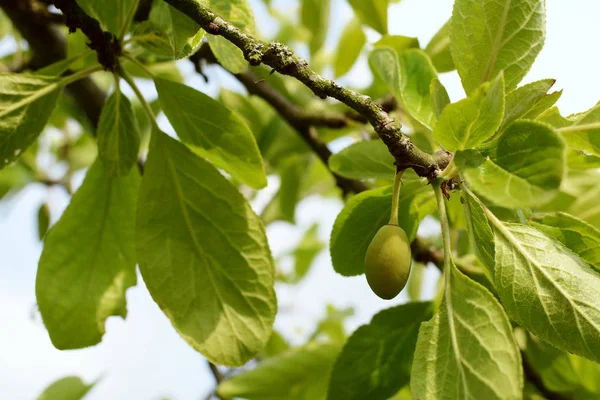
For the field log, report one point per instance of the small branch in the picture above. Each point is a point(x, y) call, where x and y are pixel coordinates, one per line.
point(105, 44)
point(282, 59)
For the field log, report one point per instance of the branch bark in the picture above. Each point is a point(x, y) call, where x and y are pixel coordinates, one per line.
point(282, 59)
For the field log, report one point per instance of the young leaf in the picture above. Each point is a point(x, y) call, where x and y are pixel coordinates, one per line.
point(523, 168)
point(314, 15)
point(365, 213)
point(481, 235)
point(471, 121)
point(373, 13)
point(416, 74)
point(581, 131)
point(529, 101)
point(488, 37)
point(351, 43)
point(438, 49)
point(375, 362)
point(118, 135)
point(204, 255)
point(363, 160)
point(112, 14)
point(169, 33)
point(68, 388)
point(547, 289)
point(580, 237)
point(88, 261)
point(239, 13)
point(297, 374)
point(26, 102)
point(439, 97)
point(212, 131)
point(385, 65)
point(467, 351)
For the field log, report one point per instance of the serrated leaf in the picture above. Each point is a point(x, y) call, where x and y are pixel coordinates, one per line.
point(373, 13)
point(439, 97)
point(352, 41)
point(375, 361)
point(580, 237)
point(365, 213)
point(239, 13)
point(529, 101)
point(467, 351)
point(204, 255)
point(523, 168)
point(438, 49)
point(314, 15)
point(298, 374)
point(118, 135)
point(26, 103)
point(416, 74)
point(212, 131)
point(112, 14)
point(68, 388)
point(88, 261)
point(363, 160)
point(169, 33)
point(572, 376)
point(471, 121)
point(480, 232)
point(489, 36)
point(581, 131)
point(547, 289)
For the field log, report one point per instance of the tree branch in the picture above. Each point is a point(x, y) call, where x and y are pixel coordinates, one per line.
point(48, 46)
point(282, 59)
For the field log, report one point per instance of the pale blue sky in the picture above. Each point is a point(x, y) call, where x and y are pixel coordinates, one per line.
point(143, 357)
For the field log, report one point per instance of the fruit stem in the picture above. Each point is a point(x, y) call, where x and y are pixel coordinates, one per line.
point(395, 197)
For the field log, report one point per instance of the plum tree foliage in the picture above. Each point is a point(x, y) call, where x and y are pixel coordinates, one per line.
point(512, 183)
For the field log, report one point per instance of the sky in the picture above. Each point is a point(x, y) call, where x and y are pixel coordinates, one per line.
point(142, 357)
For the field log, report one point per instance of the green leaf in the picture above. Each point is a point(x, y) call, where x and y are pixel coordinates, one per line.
point(43, 220)
point(529, 101)
point(375, 362)
point(481, 235)
point(169, 33)
point(397, 42)
point(332, 326)
point(305, 252)
point(438, 49)
point(467, 351)
point(276, 345)
point(239, 13)
point(352, 41)
point(112, 14)
point(439, 97)
point(365, 213)
point(547, 289)
point(118, 135)
point(574, 377)
point(524, 168)
point(212, 131)
point(204, 255)
point(415, 281)
point(314, 15)
point(88, 261)
point(298, 374)
point(373, 13)
point(68, 388)
point(26, 103)
point(13, 178)
point(579, 160)
point(578, 236)
point(385, 65)
point(471, 121)
point(363, 160)
point(581, 131)
point(488, 36)
point(416, 74)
